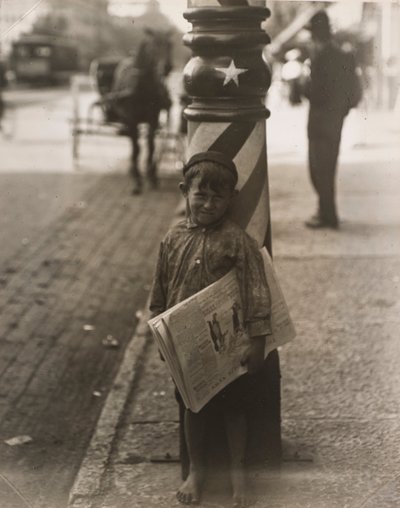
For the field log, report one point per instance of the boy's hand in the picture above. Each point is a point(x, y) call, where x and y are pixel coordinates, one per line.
point(254, 355)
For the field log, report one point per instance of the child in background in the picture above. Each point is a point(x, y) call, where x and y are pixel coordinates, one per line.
point(196, 252)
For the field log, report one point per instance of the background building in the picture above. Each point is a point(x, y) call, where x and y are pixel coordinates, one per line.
point(86, 22)
point(16, 17)
point(96, 28)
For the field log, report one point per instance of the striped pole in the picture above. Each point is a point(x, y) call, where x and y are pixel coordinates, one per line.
point(227, 80)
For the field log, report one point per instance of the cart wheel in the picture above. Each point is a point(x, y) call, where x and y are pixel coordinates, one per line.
point(8, 121)
point(75, 144)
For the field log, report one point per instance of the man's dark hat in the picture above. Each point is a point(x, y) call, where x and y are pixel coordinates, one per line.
point(319, 23)
point(212, 156)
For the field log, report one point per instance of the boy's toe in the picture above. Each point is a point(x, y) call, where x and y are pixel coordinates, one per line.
point(187, 498)
point(239, 502)
point(188, 493)
point(183, 497)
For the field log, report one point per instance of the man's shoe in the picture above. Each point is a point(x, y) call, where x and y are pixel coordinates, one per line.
point(137, 187)
point(318, 223)
point(153, 183)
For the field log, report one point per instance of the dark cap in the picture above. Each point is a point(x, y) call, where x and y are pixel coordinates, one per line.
point(212, 156)
point(319, 23)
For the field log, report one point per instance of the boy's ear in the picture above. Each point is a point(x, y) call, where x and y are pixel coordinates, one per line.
point(183, 188)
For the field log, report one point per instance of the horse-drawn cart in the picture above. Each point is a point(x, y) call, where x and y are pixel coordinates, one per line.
point(88, 113)
point(129, 96)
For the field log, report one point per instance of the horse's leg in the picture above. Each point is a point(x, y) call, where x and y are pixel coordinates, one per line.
point(151, 163)
point(134, 169)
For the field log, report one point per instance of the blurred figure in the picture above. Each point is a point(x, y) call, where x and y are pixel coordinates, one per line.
point(392, 75)
point(333, 88)
point(2, 85)
point(184, 101)
point(291, 73)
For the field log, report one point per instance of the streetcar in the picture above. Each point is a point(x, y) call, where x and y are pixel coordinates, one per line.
point(43, 59)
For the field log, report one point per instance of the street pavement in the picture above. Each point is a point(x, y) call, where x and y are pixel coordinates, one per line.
point(340, 381)
point(76, 264)
point(77, 254)
point(40, 178)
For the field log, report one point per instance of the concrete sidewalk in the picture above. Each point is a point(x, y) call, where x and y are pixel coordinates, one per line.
point(340, 381)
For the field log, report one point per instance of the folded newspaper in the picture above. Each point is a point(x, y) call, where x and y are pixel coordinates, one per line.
point(203, 337)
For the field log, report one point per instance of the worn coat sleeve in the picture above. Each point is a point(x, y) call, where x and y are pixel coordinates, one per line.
point(158, 295)
point(255, 293)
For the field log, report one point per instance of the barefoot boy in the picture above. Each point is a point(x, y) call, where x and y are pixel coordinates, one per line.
point(195, 253)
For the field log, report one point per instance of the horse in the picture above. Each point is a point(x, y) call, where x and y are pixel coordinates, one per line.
point(139, 94)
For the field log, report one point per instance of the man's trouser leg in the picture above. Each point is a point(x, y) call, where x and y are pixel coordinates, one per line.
point(323, 155)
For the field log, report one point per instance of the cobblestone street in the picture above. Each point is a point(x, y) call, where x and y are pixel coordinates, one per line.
point(75, 266)
point(92, 266)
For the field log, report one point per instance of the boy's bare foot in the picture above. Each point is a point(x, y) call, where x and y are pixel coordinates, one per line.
point(189, 492)
point(239, 502)
point(239, 499)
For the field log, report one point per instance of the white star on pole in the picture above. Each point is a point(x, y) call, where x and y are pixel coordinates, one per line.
point(231, 73)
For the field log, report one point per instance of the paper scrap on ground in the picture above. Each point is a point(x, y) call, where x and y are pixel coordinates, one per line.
point(110, 342)
point(18, 440)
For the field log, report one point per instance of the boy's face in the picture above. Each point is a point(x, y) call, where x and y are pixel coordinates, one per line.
point(206, 205)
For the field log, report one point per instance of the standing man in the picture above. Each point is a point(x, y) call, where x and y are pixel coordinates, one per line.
point(2, 85)
point(329, 92)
